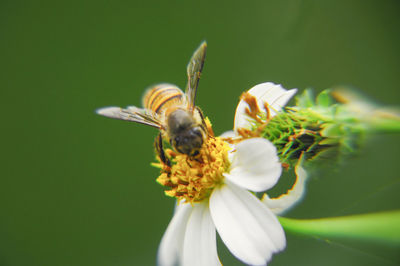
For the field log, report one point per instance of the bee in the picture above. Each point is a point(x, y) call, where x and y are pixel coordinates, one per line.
point(173, 112)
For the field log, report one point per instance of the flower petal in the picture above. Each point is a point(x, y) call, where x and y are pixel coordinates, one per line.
point(247, 227)
point(228, 134)
point(200, 246)
point(285, 202)
point(255, 165)
point(171, 245)
point(273, 94)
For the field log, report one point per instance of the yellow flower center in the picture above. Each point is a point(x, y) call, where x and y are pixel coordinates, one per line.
point(193, 179)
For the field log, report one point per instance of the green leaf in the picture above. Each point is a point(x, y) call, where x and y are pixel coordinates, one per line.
point(383, 228)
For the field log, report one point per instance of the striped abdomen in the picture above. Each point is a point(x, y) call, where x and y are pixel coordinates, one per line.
point(161, 97)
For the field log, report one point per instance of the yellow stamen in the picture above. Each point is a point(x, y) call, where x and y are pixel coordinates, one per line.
point(193, 179)
point(253, 110)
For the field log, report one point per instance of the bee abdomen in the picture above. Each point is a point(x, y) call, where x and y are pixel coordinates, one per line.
point(162, 96)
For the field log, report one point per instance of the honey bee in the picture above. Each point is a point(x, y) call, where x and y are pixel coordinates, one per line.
point(173, 112)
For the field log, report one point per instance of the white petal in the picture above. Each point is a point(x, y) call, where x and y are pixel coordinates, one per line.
point(228, 134)
point(171, 246)
point(200, 246)
point(273, 94)
point(285, 202)
point(247, 227)
point(255, 165)
point(178, 205)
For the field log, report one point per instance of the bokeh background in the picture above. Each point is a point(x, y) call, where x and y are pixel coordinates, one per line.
point(78, 189)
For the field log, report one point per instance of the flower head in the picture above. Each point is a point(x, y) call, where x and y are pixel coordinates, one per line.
point(213, 195)
point(259, 106)
point(193, 180)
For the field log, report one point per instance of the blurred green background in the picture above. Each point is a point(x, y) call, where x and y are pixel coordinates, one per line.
point(78, 189)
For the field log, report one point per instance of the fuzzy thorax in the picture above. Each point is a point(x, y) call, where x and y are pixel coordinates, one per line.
point(193, 179)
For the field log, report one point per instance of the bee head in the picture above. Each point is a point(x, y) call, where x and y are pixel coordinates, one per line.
point(185, 135)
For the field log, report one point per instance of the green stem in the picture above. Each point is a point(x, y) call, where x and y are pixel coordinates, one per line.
point(386, 125)
point(381, 227)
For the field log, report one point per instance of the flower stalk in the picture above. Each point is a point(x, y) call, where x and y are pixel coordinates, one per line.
point(383, 228)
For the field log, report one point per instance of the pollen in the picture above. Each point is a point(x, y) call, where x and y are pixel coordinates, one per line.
point(193, 179)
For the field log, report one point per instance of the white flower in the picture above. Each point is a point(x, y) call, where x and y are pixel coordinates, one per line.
point(276, 97)
point(248, 227)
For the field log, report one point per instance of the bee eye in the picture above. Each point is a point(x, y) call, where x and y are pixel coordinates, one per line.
point(195, 153)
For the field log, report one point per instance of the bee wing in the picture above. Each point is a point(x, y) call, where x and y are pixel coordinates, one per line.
point(131, 113)
point(194, 69)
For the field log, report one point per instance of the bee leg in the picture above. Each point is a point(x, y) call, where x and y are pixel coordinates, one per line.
point(199, 160)
point(188, 162)
point(205, 127)
point(160, 150)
